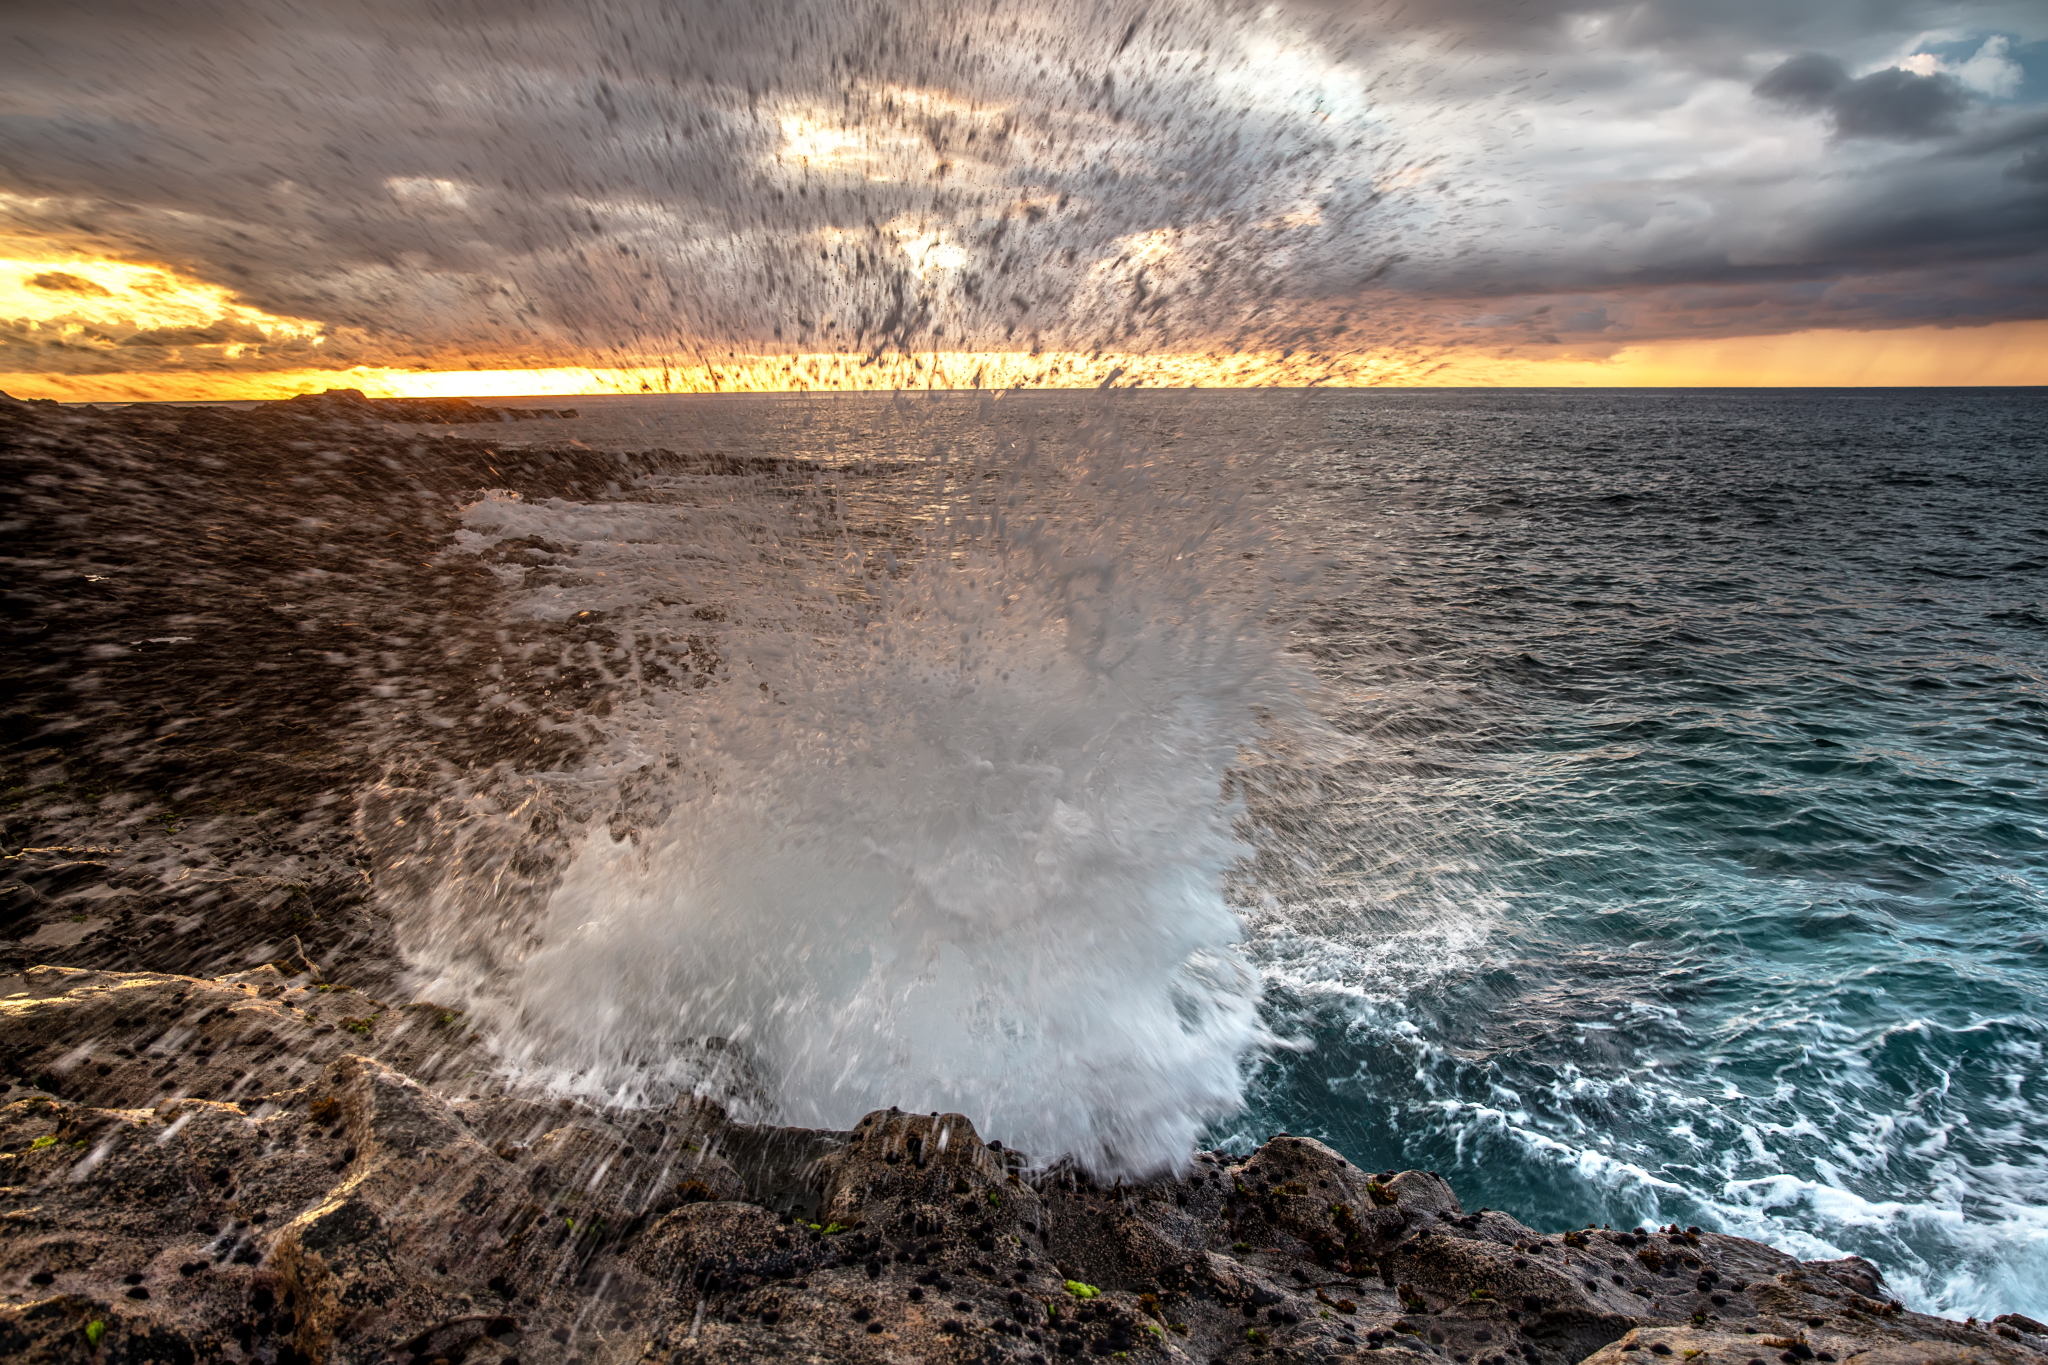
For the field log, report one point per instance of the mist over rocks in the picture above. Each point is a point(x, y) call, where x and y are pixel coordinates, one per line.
point(240, 1169)
point(264, 670)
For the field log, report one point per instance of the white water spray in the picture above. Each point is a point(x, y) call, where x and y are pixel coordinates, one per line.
point(951, 828)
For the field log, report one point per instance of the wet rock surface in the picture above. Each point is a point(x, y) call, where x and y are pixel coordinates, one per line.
point(222, 628)
point(259, 1168)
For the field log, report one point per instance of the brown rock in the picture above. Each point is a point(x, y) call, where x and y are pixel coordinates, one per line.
point(327, 1203)
point(913, 1159)
point(1679, 1345)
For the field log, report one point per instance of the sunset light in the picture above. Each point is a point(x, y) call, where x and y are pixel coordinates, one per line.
point(80, 306)
point(1011, 682)
point(1998, 354)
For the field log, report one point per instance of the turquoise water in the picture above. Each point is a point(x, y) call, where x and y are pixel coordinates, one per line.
point(1672, 843)
point(1729, 710)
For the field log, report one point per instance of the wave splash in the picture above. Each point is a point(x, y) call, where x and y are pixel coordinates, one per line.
point(952, 828)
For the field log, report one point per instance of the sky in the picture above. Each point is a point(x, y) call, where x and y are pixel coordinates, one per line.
point(254, 197)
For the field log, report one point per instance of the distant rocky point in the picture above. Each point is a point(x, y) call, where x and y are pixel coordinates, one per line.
point(272, 1167)
point(351, 405)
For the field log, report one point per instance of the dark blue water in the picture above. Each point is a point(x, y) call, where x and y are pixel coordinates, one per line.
point(1676, 847)
point(1724, 719)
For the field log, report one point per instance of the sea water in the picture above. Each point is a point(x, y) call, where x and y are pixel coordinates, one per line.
point(1630, 805)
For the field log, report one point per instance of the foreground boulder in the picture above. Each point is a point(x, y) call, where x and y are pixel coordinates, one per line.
point(260, 1169)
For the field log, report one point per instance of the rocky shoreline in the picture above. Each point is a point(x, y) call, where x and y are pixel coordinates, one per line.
point(223, 629)
point(272, 1167)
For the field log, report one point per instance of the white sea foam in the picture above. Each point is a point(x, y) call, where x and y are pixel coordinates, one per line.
point(1961, 1238)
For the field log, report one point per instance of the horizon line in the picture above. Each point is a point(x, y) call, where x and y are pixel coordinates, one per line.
point(2000, 356)
point(486, 398)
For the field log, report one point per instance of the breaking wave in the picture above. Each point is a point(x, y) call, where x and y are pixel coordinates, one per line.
point(950, 821)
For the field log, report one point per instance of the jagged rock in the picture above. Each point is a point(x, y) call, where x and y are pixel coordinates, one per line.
point(2022, 1329)
point(913, 1160)
point(1301, 1195)
point(358, 1195)
point(608, 1181)
point(706, 1245)
point(141, 1038)
point(419, 1190)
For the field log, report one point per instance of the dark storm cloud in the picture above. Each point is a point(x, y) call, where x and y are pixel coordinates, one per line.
point(1772, 153)
point(644, 178)
point(1808, 81)
point(1892, 103)
point(553, 182)
point(1702, 33)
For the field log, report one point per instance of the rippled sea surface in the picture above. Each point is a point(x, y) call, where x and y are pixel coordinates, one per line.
point(1683, 850)
point(1732, 722)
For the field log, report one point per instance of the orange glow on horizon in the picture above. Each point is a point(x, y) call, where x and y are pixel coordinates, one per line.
point(200, 343)
point(808, 373)
point(2000, 354)
point(1995, 355)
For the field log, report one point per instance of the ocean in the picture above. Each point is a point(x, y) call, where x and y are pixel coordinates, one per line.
point(1733, 705)
point(1631, 805)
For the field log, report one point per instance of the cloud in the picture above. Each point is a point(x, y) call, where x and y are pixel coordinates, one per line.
point(470, 184)
point(1893, 103)
point(1990, 71)
point(59, 282)
point(1898, 104)
point(650, 179)
point(1809, 81)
